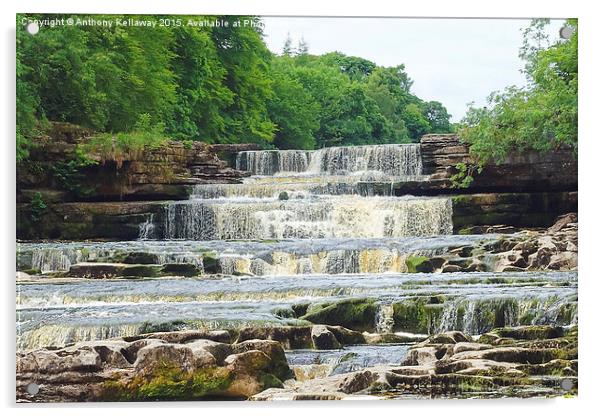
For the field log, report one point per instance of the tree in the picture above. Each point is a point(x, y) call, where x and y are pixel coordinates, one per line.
point(245, 57)
point(287, 49)
point(292, 109)
point(215, 84)
point(541, 116)
point(302, 47)
point(437, 116)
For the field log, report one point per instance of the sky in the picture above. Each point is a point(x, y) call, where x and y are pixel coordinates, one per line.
point(454, 61)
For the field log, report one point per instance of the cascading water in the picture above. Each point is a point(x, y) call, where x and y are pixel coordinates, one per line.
point(395, 160)
point(332, 217)
point(315, 226)
point(269, 162)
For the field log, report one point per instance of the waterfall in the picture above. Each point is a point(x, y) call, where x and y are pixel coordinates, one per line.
point(322, 218)
point(269, 162)
point(393, 160)
point(54, 259)
point(479, 315)
point(147, 228)
point(374, 162)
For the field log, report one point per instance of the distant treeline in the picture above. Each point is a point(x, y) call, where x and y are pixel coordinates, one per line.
point(214, 84)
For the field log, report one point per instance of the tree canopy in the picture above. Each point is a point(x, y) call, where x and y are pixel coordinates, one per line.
point(540, 116)
point(214, 84)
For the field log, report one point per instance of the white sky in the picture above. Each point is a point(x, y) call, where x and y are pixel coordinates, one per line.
point(454, 61)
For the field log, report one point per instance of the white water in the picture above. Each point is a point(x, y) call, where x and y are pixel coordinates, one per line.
point(308, 229)
point(391, 160)
point(325, 217)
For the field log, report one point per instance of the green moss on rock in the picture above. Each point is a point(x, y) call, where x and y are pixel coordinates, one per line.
point(419, 264)
point(168, 382)
point(356, 314)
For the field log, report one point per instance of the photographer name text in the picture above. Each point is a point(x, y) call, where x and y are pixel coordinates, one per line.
point(138, 22)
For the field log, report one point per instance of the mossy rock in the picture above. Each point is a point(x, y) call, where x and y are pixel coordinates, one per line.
point(180, 269)
point(419, 264)
point(417, 315)
point(356, 314)
point(300, 309)
point(172, 326)
point(140, 258)
point(142, 270)
point(211, 263)
point(531, 332)
point(284, 312)
point(168, 382)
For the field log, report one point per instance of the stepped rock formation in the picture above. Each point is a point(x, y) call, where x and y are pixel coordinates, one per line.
point(524, 190)
point(330, 274)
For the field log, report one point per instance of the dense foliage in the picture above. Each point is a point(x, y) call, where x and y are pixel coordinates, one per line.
point(540, 116)
point(214, 84)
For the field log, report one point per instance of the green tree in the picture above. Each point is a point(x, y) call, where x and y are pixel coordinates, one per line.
point(287, 49)
point(437, 116)
point(245, 57)
point(292, 109)
point(540, 116)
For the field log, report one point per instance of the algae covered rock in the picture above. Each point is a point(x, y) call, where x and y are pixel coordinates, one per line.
point(147, 368)
point(356, 314)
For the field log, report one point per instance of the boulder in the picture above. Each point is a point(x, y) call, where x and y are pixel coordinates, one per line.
point(323, 339)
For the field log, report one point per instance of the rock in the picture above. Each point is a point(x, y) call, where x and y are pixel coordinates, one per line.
point(346, 336)
point(530, 332)
point(473, 367)
point(449, 337)
point(323, 339)
point(562, 221)
point(469, 346)
point(509, 354)
point(185, 336)
point(357, 381)
point(450, 268)
point(356, 314)
point(392, 338)
point(563, 261)
point(153, 356)
point(180, 269)
point(419, 264)
point(279, 364)
point(149, 368)
point(248, 361)
point(424, 355)
point(291, 337)
point(218, 350)
point(96, 270)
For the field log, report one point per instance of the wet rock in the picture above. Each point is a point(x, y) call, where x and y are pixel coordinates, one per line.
point(530, 332)
point(96, 270)
point(562, 221)
point(356, 314)
point(392, 338)
point(450, 268)
point(291, 337)
point(449, 337)
point(185, 336)
point(180, 269)
point(323, 339)
point(510, 354)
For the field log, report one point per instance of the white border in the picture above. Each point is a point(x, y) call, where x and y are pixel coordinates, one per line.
point(590, 141)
